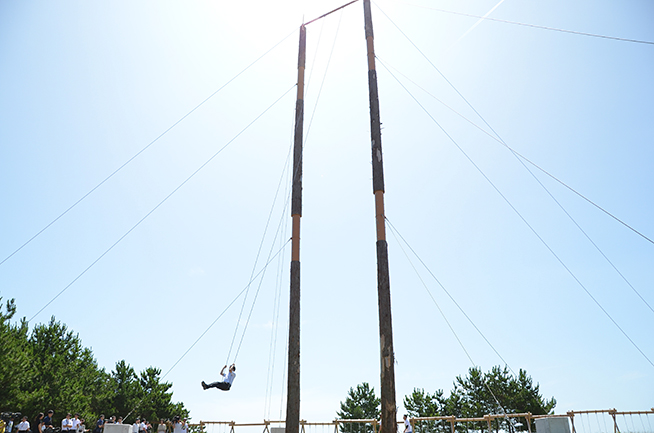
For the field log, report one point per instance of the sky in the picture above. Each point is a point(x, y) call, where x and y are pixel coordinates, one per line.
point(161, 131)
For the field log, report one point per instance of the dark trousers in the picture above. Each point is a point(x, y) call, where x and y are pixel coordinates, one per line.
point(220, 385)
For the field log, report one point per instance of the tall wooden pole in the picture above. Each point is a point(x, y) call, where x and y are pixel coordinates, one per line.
point(388, 409)
point(293, 396)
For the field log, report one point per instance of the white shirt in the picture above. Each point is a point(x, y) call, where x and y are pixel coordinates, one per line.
point(229, 377)
point(177, 427)
point(408, 426)
point(66, 424)
point(135, 427)
point(76, 422)
point(24, 425)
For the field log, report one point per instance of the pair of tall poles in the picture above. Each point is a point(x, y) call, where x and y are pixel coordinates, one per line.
point(387, 357)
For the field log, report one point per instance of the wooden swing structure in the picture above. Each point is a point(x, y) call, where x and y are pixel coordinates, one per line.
point(388, 407)
point(388, 422)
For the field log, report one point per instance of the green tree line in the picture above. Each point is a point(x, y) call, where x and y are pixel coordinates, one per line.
point(472, 396)
point(48, 368)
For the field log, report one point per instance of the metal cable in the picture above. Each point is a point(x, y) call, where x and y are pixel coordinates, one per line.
point(501, 141)
point(572, 274)
point(520, 158)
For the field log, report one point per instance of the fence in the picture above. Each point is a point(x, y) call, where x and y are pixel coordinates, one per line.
point(588, 421)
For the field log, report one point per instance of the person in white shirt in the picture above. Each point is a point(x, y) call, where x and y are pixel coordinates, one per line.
point(67, 424)
point(136, 425)
point(177, 425)
point(24, 425)
point(76, 422)
point(226, 383)
point(407, 425)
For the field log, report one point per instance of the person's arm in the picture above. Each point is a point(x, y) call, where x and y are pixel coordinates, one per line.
point(222, 372)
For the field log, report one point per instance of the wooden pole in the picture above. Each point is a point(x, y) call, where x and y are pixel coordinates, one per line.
point(388, 408)
point(293, 396)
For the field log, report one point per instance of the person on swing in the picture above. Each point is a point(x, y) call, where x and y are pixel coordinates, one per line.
point(226, 383)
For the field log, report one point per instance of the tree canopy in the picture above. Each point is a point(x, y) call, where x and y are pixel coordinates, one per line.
point(49, 368)
point(477, 394)
point(360, 403)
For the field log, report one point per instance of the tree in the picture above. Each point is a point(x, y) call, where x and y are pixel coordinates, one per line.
point(15, 368)
point(498, 392)
point(156, 399)
point(51, 369)
point(125, 388)
point(67, 376)
point(361, 403)
point(422, 404)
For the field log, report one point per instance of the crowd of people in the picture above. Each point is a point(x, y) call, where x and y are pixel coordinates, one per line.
point(74, 424)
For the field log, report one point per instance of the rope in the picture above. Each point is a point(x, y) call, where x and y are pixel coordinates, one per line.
point(240, 315)
point(226, 308)
point(581, 417)
point(597, 418)
point(141, 151)
point(648, 422)
point(305, 140)
point(594, 35)
point(277, 301)
point(324, 77)
point(282, 219)
point(263, 237)
point(212, 323)
point(572, 274)
point(158, 205)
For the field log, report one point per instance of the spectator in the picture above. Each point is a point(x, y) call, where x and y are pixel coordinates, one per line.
point(47, 421)
point(177, 426)
point(24, 426)
point(10, 425)
point(99, 425)
point(67, 424)
point(36, 426)
point(76, 422)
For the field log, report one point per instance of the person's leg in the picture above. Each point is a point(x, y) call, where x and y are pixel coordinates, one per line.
point(220, 385)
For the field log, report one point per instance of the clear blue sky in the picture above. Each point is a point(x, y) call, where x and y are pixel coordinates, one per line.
point(86, 85)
